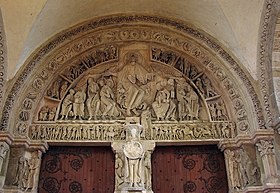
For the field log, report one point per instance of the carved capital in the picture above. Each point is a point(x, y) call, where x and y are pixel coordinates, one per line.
point(265, 147)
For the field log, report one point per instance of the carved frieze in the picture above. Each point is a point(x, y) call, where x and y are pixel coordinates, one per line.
point(116, 131)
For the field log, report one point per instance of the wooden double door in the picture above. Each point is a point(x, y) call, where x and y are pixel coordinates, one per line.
point(77, 170)
point(175, 169)
point(189, 169)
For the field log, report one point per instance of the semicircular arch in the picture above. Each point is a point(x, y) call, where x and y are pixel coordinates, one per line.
point(210, 70)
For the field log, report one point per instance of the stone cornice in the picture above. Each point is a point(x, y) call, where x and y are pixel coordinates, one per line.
point(267, 134)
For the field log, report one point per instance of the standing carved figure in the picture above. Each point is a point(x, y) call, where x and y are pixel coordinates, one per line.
point(233, 162)
point(78, 105)
point(21, 165)
point(119, 170)
point(63, 89)
point(181, 97)
point(193, 105)
point(4, 148)
point(221, 111)
point(170, 114)
point(148, 171)
point(55, 90)
point(93, 99)
point(43, 114)
point(107, 98)
point(134, 153)
point(67, 104)
point(32, 165)
point(146, 122)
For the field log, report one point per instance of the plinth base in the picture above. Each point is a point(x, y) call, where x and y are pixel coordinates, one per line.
point(133, 189)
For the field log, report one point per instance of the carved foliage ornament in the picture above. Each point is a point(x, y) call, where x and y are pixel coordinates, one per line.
point(265, 147)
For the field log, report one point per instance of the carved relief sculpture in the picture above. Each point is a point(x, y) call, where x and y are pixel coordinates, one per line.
point(26, 172)
point(134, 154)
point(67, 104)
point(133, 162)
point(172, 105)
point(133, 78)
point(119, 171)
point(78, 105)
point(4, 148)
point(242, 170)
point(93, 99)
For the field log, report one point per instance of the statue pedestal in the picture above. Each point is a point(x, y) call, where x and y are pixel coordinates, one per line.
point(133, 189)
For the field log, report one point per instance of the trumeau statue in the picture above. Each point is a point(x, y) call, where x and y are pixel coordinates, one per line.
point(133, 169)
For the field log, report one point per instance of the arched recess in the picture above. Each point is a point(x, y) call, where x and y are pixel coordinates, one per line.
point(276, 66)
point(3, 60)
point(162, 43)
point(265, 59)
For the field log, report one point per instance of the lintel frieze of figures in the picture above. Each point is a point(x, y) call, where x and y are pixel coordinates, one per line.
point(108, 132)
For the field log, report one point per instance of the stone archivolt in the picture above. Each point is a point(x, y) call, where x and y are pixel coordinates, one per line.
point(94, 85)
point(204, 75)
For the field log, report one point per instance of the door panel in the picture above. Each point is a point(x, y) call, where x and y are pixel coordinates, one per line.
point(77, 170)
point(184, 169)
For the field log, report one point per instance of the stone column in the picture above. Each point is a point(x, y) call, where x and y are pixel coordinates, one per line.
point(266, 150)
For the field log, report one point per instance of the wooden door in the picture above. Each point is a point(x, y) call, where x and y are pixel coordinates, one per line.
point(77, 170)
point(186, 169)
